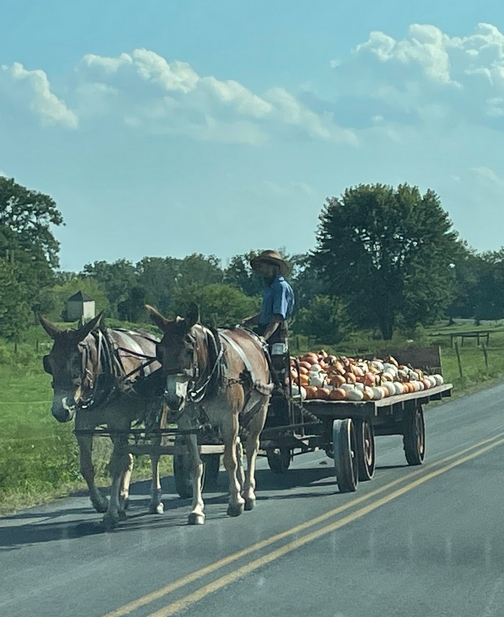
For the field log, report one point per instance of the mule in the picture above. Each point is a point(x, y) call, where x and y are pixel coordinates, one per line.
point(221, 378)
point(103, 376)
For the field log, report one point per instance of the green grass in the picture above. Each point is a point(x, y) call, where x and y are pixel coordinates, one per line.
point(39, 456)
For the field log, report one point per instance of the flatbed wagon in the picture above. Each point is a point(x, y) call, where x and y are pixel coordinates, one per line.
point(346, 430)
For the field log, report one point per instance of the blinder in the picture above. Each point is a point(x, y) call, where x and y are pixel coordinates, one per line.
point(47, 365)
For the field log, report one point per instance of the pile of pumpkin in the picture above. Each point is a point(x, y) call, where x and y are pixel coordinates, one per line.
point(328, 377)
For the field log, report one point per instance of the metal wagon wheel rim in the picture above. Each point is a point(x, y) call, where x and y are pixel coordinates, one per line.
point(365, 450)
point(345, 455)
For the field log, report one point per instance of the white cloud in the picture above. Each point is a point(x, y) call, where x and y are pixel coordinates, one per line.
point(152, 94)
point(145, 92)
point(487, 174)
point(428, 73)
point(50, 109)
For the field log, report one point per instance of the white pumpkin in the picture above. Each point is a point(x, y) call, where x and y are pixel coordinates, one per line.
point(377, 393)
point(355, 395)
point(316, 378)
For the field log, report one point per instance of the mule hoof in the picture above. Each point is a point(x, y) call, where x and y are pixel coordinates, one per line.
point(195, 519)
point(156, 508)
point(109, 522)
point(235, 509)
point(250, 504)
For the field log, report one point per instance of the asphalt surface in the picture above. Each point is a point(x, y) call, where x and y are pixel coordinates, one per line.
point(415, 541)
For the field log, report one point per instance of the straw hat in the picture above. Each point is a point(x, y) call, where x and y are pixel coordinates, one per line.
point(271, 257)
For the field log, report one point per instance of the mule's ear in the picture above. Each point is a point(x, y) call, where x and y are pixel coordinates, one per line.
point(88, 327)
point(192, 315)
point(160, 321)
point(50, 328)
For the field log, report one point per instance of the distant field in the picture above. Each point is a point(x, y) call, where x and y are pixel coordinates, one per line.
point(39, 457)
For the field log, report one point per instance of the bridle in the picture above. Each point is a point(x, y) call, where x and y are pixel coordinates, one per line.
point(102, 385)
point(201, 383)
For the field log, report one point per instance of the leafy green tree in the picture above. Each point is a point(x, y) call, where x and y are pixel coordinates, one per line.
point(386, 252)
point(239, 274)
point(220, 305)
point(133, 308)
point(30, 215)
point(324, 318)
point(115, 279)
point(158, 276)
point(305, 280)
point(15, 299)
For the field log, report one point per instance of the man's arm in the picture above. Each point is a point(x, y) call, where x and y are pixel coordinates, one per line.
point(274, 323)
point(251, 321)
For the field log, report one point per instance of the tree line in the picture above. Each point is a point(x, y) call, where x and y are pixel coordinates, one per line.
point(384, 258)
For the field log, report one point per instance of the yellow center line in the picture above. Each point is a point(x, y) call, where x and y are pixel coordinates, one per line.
point(217, 565)
point(232, 577)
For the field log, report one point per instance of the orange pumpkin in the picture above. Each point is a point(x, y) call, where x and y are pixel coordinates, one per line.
point(323, 393)
point(338, 394)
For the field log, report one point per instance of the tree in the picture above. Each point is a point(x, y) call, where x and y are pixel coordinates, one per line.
point(324, 318)
point(15, 313)
point(28, 251)
point(115, 279)
point(239, 274)
point(386, 252)
point(220, 305)
point(30, 214)
point(133, 308)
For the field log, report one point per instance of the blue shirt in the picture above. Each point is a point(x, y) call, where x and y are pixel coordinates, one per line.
point(278, 299)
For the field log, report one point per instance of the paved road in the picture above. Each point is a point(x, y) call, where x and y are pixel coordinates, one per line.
point(415, 541)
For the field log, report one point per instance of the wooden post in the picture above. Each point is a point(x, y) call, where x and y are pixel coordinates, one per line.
point(458, 359)
point(485, 353)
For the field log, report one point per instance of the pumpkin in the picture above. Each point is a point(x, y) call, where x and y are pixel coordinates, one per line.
point(338, 394)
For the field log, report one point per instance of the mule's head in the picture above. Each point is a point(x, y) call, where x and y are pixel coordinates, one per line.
point(66, 363)
point(178, 354)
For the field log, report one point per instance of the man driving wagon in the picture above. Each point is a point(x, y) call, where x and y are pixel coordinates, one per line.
point(276, 309)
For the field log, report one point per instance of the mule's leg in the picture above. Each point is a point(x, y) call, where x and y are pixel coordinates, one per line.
point(197, 515)
point(85, 442)
point(251, 446)
point(230, 436)
point(156, 505)
point(118, 466)
point(125, 485)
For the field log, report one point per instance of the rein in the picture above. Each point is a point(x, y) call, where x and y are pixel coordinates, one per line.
point(198, 394)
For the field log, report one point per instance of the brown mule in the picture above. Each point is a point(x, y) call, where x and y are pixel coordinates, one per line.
point(219, 378)
point(103, 376)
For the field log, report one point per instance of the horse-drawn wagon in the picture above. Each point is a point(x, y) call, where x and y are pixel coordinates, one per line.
point(346, 429)
point(216, 386)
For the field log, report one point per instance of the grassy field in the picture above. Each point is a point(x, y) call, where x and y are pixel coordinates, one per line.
point(39, 457)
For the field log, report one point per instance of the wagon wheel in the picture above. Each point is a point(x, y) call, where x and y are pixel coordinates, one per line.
point(211, 465)
point(414, 435)
point(365, 449)
point(278, 459)
point(345, 455)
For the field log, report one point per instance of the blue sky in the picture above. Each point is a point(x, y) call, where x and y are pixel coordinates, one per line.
point(168, 127)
